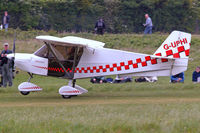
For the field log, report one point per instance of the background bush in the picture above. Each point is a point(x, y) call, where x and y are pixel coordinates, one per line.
point(119, 15)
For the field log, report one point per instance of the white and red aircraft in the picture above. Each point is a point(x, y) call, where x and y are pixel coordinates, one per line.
point(75, 58)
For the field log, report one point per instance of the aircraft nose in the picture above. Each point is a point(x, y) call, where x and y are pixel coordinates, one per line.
point(10, 56)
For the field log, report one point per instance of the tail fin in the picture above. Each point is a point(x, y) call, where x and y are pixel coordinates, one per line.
point(177, 45)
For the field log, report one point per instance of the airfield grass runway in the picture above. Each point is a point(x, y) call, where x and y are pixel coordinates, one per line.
point(159, 107)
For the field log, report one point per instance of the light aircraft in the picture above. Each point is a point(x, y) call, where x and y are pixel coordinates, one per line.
point(76, 58)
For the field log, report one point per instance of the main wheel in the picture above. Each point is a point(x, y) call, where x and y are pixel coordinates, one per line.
point(24, 92)
point(66, 96)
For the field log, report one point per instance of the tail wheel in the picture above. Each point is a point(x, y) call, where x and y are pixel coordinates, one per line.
point(66, 96)
point(24, 92)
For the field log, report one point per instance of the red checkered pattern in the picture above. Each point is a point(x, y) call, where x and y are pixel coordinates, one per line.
point(54, 69)
point(40, 67)
point(181, 49)
point(74, 91)
point(30, 88)
point(126, 65)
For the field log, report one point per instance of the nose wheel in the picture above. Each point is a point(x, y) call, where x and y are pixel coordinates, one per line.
point(29, 79)
point(26, 87)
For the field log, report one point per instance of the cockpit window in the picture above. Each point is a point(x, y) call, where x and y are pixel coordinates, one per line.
point(64, 53)
point(42, 51)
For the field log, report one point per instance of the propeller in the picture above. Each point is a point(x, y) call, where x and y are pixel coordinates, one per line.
point(13, 59)
point(14, 44)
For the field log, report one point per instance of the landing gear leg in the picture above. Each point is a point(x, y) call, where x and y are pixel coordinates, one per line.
point(31, 76)
point(27, 92)
point(73, 82)
point(73, 85)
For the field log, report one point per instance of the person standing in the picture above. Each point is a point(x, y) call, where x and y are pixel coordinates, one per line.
point(148, 25)
point(5, 20)
point(100, 27)
point(6, 66)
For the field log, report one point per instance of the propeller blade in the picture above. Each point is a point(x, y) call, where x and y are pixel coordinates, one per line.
point(14, 44)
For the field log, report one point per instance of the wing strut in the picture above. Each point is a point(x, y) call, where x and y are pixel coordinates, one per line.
point(172, 67)
point(50, 48)
point(75, 59)
point(74, 65)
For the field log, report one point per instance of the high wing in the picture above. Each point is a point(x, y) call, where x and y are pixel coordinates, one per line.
point(71, 41)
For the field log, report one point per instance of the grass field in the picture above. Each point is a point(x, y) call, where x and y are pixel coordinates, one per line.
point(159, 107)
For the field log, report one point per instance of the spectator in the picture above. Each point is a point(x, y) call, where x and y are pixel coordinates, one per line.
point(151, 78)
point(178, 78)
point(148, 25)
point(140, 79)
point(122, 79)
point(6, 66)
point(100, 79)
point(146, 79)
point(196, 75)
point(100, 27)
point(5, 20)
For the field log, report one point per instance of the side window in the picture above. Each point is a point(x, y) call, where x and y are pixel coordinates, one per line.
point(64, 53)
point(44, 52)
point(66, 56)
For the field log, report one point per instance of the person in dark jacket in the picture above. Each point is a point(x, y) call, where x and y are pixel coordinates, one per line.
point(6, 66)
point(5, 20)
point(178, 78)
point(196, 75)
point(100, 27)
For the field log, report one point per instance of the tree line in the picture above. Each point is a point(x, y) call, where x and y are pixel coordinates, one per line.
point(120, 16)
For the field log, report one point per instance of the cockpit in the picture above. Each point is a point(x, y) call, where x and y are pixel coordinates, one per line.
point(61, 54)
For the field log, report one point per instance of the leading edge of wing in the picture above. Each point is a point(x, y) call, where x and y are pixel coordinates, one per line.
point(72, 41)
